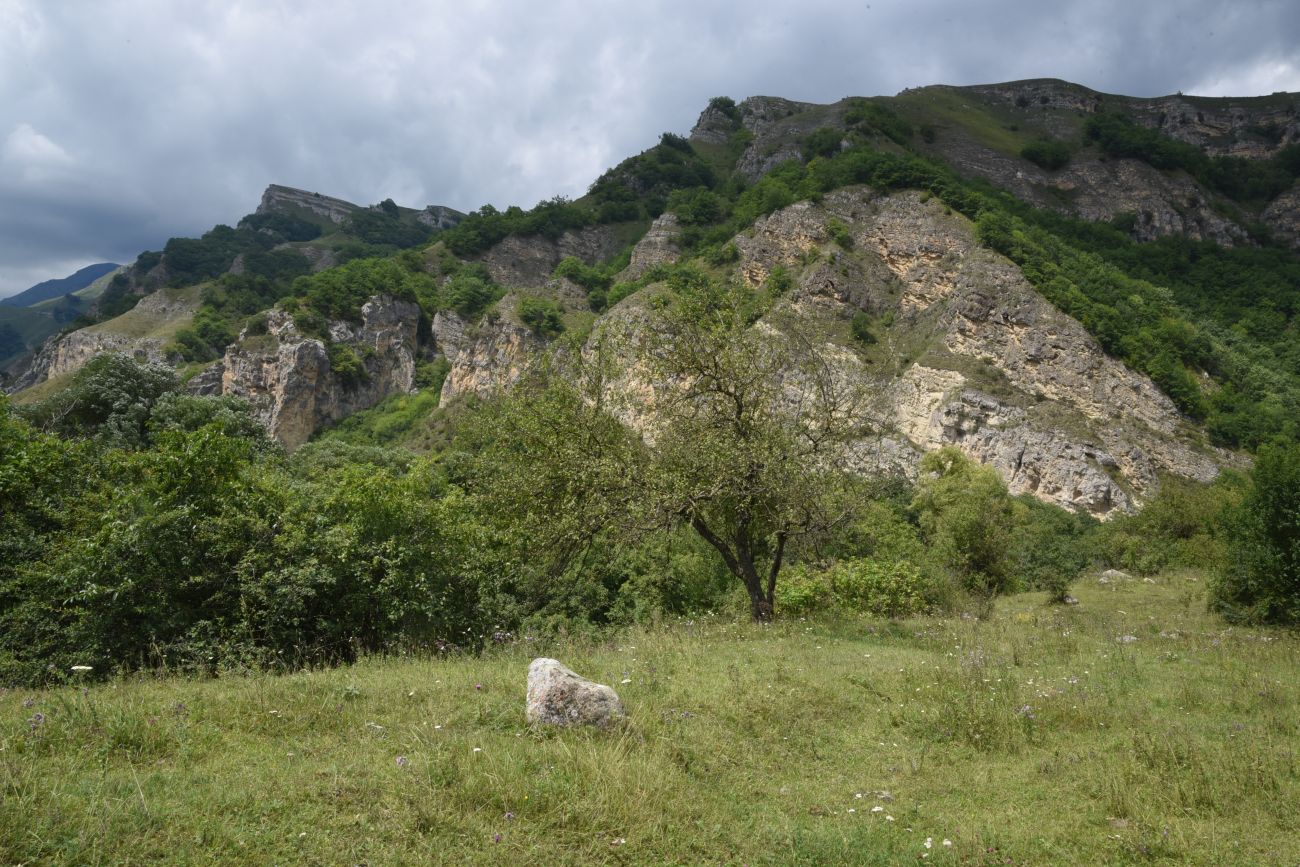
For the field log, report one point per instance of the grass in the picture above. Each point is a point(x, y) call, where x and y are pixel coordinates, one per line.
point(1034, 737)
point(139, 324)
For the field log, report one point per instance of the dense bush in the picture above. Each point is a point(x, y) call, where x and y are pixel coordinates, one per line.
point(1047, 153)
point(967, 519)
point(544, 317)
point(1260, 581)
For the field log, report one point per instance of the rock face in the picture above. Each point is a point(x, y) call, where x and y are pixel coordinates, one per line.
point(989, 365)
point(529, 261)
point(484, 357)
point(278, 199)
point(657, 247)
point(1283, 216)
point(439, 217)
point(287, 376)
point(559, 697)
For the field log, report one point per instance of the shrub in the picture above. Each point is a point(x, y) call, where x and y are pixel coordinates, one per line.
point(877, 587)
point(803, 590)
point(966, 516)
point(1261, 582)
point(543, 317)
point(822, 142)
point(861, 328)
point(1047, 153)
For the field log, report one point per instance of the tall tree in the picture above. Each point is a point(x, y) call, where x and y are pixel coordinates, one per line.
point(743, 421)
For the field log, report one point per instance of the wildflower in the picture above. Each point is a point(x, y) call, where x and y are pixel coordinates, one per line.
point(478, 749)
point(478, 686)
point(496, 838)
point(929, 842)
point(877, 809)
point(510, 817)
point(947, 843)
point(37, 720)
point(29, 702)
point(402, 761)
point(889, 818)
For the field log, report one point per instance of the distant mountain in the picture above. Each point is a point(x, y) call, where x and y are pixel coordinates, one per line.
point(55, 288)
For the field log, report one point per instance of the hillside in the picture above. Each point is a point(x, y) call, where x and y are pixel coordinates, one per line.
point(30, 317)
point(1125, 215)
point(49, 289)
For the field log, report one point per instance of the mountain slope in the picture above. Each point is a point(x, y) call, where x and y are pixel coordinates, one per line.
point(1077, 289)
point(50, 289)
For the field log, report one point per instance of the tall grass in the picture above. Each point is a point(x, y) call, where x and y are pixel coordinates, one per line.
point(1131, 729)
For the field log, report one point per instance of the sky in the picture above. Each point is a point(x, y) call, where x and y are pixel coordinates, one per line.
point(126, 122)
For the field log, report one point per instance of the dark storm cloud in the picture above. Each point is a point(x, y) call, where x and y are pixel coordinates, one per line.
point(123, 123)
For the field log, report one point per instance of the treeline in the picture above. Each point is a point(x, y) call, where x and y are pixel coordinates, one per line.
point(145, 528)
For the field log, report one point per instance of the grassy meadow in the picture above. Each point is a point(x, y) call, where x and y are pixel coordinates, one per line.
point(1132, 729)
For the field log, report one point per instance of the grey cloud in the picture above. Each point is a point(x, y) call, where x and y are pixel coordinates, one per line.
point(174, 117)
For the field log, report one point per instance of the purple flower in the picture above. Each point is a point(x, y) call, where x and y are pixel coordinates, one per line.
point(496, 838)
point(402, 761)
point(510, 817)
point(29, 702)
point(478, 686)
point(37, 720)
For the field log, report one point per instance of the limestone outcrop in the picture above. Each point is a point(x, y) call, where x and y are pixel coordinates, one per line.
point(288, 379)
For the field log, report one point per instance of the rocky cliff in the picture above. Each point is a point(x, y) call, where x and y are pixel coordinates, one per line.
point(979, 131)
point(968, 353)
point(288, 378)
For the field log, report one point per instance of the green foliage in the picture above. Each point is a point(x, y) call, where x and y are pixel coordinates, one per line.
point(285, 227)
point(966, 517)
point(228, 415)
point(725, 105)
point(487, 226)
point(839, 233)
point(193, 260)
point(111, 398)
point(346, 365)
point(861, 329)
point(697, 206)
point(639, 187)
point(1260, 581)
point(880, 588)
point(543, 316)
point(1047, 153)
point(1051, 547)
point(872, 117)
point(384, 227)
point(823, 142)
point(469, 292)
point(339, 293)
point(595, 279)
point(1179, 527)
point(1245, 180)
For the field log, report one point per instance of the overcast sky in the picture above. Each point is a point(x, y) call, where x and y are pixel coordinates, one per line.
point(125, 122)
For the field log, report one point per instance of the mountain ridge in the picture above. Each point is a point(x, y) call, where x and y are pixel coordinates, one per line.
point(996, 386)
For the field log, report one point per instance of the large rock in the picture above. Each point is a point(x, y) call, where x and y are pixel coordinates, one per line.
point(558, 696)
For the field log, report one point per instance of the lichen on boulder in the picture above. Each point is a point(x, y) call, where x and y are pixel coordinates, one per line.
point(559, 696)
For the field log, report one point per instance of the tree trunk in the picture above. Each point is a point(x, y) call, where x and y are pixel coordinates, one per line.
point(741, 564)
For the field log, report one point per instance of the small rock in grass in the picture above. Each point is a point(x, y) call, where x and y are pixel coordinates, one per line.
point(559, 696)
